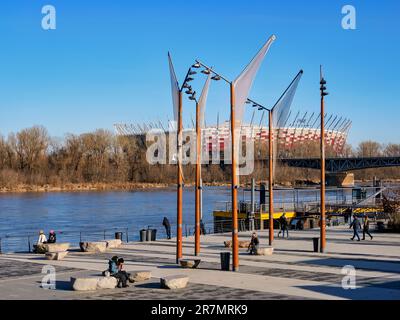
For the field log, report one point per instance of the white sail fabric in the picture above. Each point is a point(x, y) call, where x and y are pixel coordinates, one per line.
point(280, 113)
point(281, 109)
point(203, 100)
point(244, 81)
point(174, 89)
point(242, 86)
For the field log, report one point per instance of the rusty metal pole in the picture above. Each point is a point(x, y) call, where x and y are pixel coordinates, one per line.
point(235, 240)
point(179, 184)
point(197, 184)
point(322, 195)
point(270, 178)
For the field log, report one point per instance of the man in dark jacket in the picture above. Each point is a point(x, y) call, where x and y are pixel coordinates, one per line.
point(356, 225)
point(284, 226)
point(167, 226)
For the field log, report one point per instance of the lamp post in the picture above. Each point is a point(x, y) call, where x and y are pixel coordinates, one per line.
point(234, 187)
point(242, 85)
point(198, 167)
point(285, 102)
point(177, 92)
point(322, 145)
point(270, 171)
point(200, 105)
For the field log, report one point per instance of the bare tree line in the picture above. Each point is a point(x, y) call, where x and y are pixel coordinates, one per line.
point(32, 157)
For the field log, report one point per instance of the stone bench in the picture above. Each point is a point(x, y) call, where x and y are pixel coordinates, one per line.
point(113, 243)
point(140, 275)
point(50, 247)
point(265, 251)
point(174, 282)
point(57, 255)
point(189, 263)
point(93, 247)
point(242, 244)
point(93, 283)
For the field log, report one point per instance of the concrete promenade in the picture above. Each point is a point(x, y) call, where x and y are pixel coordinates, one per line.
point(292, 272)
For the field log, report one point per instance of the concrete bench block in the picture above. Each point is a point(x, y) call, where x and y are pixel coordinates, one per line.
point(84, 284)
point(267, 251)
point(107, 283)
point(141, 275)
point(242, 244)
point(59, 255)
point(113, 243)
point(94, 283)
point(189, 263)
point(57, 247)
point(94, 247)
point(174, 282)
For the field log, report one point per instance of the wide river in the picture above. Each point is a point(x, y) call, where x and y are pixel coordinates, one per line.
point(70, 213)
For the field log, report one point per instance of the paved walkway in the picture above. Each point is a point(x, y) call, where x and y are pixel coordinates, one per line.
point(292, 272)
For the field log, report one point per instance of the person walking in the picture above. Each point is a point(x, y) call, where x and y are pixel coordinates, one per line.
point(356, 225)
point(167, 226)
point(366, 228)
point(202, 227)
point(284, 226)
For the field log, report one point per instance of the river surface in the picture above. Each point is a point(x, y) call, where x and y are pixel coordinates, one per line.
point(79, 216)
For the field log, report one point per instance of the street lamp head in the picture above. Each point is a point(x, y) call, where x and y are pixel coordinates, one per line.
point(188, 79)
point(248, 101)
point(323, 81)
point(325, 93)
point(196, 65)
point(193, 96)
point(186, 86)
point(323, 88)
point(206, 71)
point(191, 72)
point(189, 91)
point(216, 78)
point(255, 105)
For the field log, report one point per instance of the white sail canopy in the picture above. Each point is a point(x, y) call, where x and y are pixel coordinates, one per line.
point(203, 100)
point(281, 110)
point(242, 86)
point(174, 89)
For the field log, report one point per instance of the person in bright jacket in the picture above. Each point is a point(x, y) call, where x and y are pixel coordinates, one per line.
point(366, 228)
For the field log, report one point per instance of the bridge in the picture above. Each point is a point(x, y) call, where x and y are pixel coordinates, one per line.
point(343, 164)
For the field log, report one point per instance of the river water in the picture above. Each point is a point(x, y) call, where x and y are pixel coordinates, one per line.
point(69, 213)
point(79, 216)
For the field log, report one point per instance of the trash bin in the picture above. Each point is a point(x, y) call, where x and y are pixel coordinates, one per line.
point(118, 235)
point(153, 234)
point(143, 235)
point(148, 234)
point(225, 260)
point(315, 243)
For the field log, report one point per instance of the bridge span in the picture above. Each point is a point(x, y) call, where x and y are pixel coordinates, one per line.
point(343, 164)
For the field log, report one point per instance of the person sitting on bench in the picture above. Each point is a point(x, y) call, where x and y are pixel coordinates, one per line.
point(254, 242)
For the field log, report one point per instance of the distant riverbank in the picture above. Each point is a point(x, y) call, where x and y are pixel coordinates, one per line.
point(70, 187)
point(128, 186)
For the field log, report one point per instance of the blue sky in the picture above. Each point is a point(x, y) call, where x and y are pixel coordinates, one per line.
point(107, 60)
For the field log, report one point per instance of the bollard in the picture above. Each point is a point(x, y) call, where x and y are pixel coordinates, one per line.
point(0, 246)
point(80, 236)
point(315, 244)
point(127, 237)
point(104, 234)
point(29, 244)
